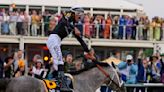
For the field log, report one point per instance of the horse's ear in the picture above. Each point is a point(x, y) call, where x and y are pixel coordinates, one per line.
point(113, 65)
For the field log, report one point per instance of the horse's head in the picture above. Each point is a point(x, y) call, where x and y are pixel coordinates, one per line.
point(94, 74)
point(114, 80)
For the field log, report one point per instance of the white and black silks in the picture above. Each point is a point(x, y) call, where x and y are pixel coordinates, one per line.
point(64, 27)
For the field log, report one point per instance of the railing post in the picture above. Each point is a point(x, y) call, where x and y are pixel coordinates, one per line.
point(89, 43)
point(83, 31)
point(97, 31)
point(145, 89)
point(110, 32)
point(0, 28)
point(124, 32)
point(28, 29)
point(155, 47)
point(137, 32)
point(21, 44)
point(27, 9)
point(42, 23)
point(162, 33)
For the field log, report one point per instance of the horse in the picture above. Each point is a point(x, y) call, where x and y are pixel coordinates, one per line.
point(84, 80)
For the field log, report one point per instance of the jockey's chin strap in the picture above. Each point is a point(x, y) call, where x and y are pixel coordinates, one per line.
point(106, 74)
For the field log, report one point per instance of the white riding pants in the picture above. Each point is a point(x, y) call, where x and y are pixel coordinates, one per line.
point(53, 44)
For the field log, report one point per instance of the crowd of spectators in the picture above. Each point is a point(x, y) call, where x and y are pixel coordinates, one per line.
point(118, 27)
point(132, 71)
point(141, 70)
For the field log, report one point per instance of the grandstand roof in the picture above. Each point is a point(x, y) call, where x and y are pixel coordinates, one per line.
point(114, 4)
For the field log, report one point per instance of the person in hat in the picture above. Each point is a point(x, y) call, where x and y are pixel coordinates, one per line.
point(156, 66)
point(38, 71)
point(65, 26)
point(128, 71)
point(20, 70)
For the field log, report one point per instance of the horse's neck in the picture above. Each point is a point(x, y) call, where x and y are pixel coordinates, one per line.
point(89, 80)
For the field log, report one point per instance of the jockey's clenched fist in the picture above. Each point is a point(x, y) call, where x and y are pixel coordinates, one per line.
point(90, 55)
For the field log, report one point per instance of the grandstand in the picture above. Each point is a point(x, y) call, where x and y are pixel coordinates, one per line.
point(104, 47)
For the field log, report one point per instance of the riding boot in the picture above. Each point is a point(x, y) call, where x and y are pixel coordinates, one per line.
point(55, 74)
point(62, 79)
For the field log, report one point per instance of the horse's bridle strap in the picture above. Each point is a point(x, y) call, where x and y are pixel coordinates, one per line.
point(102, 70)
point(106, 74)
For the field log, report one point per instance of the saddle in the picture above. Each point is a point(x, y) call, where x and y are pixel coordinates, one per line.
point(54, 85)
point(50, 85)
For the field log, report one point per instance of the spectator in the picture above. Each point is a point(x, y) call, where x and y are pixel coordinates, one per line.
point(128, 71)
point(151, 29)
point(96, 23)
point(144, 73)
point(38, 71)
point(122, 23)
point(115, 29)
point(107, 30)
point(157, 29)
point(92, 27)
point(20, 70)
point(100, 23)
point(1, 20)
point(80, 26)
point(87, 31)
point(19, 24)
point(5, 24)
point(39, 24)
point(102, 26)
point(9, 67)
point(134, 27)
point(145, 28)
point(26, 23)
point(35, 20)
point(12, 21)
point(140, 28)
point(35, 58)
point(46, 19)
point(68, 64)
point(155, 67)
point(129, 24)
point(19, 58)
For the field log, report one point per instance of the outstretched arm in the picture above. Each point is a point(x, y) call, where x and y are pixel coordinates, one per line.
point(88, 54)
point(76, 33)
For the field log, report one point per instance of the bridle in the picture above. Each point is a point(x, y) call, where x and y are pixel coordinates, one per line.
point(110, 80)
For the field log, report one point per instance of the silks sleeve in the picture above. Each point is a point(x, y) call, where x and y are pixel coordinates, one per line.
point(83, 44)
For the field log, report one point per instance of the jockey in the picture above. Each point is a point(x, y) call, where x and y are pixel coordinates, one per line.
point(65, 26)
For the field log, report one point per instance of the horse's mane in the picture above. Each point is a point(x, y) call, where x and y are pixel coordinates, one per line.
point(91, 66)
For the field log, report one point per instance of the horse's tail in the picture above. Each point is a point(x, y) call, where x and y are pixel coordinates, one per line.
point(4, 83)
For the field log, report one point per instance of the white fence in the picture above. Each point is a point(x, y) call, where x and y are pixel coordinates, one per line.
point(145, 85)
